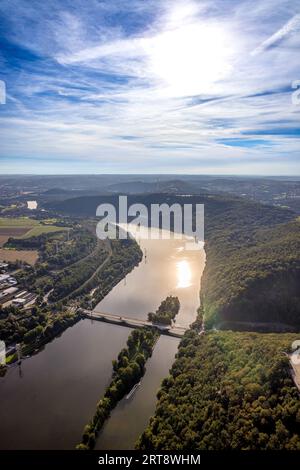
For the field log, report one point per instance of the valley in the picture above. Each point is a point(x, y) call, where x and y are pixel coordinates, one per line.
point(246, 281)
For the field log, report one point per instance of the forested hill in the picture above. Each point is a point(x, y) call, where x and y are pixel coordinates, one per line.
point(216, 206)
point(252, 268)
point(227, 390)
point(253, 284)
point(252, 271)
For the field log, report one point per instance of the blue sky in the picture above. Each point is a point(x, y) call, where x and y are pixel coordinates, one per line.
point(150, 86)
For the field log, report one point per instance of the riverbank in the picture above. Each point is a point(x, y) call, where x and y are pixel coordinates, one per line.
point(43, 324)
point(48, 387)
point(51, 330)
point(127, 371)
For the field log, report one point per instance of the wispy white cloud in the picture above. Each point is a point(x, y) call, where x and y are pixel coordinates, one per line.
point(162, 84)
point(291, 27)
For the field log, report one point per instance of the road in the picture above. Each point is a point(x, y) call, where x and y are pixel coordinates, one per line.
point(176, 331)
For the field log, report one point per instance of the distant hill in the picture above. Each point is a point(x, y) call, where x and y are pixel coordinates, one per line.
point(59, 194)
point(142, 187)
point(279, 191)
point(55, 191)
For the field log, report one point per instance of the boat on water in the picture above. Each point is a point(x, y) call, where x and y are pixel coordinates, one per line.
point(133, 390)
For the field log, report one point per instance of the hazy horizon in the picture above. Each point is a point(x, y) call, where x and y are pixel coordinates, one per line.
point(192, 175)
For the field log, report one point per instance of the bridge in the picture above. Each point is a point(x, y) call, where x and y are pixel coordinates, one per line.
point(176, 331)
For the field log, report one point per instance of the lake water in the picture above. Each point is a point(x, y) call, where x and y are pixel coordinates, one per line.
point(167, 268)
point(32, 205)
point(46, 403)
point(130, 417)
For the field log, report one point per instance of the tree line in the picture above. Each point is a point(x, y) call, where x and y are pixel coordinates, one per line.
point(127, 371)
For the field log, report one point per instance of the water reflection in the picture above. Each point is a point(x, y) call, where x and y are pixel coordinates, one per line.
point(184, 274)
point(169, 269)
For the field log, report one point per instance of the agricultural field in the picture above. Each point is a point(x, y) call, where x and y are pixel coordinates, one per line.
point(28, 256)
point(14, 227)
point(24, 227)
point(17, 222)
point(39, 229)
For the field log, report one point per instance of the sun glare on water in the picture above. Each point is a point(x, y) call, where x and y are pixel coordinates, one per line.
point(184, 274)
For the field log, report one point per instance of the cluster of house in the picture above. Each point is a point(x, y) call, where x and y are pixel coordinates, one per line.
point(10, 294)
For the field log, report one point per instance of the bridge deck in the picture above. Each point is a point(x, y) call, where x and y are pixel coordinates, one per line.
point(176, 331)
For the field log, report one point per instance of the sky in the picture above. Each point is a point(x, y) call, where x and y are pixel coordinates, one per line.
point(150, 86)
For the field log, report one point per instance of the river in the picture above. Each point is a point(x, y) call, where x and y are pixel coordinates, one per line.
point(46, 402)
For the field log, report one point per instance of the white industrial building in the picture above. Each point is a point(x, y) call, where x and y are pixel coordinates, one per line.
point(7, 292)
point(19, 302)
point(4, 277)
point(12, 295)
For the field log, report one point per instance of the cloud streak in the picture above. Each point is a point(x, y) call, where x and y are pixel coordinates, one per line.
point(164, 84)
point(291, 27)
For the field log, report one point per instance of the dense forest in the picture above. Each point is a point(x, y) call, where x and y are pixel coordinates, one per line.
point(252, 272)
point(166, 312)
point(227, 390)
point(72, 277)
point(127, 371)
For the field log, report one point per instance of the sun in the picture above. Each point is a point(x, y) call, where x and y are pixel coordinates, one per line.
point(190, 59)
